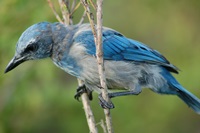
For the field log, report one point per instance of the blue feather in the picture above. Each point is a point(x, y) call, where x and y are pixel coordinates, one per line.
point(118, 47)
point(190, 99)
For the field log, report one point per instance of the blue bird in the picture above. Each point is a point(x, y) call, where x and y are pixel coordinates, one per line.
point(129, 65)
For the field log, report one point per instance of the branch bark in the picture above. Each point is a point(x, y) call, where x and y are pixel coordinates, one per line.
point(99, 54)
point(101, 68)
point(66, 13)
point(88, 111)
point(54, 11)
point(90, 17)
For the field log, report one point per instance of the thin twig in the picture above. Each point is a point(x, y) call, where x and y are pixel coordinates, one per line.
point(93, 5)
point(68, 9)
point(54, 11)
point(103, 126)
point(73, 5)
point(65, 11)
point(88, 111)
point(100, 61)
point(90, 17)
point(82, 18)
point(75, 8)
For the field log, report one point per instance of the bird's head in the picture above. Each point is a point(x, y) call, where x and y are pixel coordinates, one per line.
point(34, 43)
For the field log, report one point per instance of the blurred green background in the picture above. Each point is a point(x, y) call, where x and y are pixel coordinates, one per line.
point(37, 97)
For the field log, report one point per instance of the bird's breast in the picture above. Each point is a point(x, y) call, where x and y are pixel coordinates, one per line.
point(68, 64)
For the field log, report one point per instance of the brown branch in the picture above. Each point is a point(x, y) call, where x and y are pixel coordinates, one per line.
point(100, 61)
point(103, 126)
point(82, 18)
point(54, 11)
point(90, 17)
point(73, 5)
point(88, 111)
point(93, 5)
point(65, 11)
point(67, 16)
point(75, 8)
point(99, 54)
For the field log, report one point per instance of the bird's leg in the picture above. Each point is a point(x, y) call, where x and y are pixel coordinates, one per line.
point(105, 104)
point(82, 89)
point(124, 93)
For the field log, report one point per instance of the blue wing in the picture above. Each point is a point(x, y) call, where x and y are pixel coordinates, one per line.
point(118, 47)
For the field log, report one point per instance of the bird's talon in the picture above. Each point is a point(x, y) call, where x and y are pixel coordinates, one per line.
point(80, 90)
point(104, 104)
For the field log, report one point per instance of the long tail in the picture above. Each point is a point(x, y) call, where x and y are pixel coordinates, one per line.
point(191, 100)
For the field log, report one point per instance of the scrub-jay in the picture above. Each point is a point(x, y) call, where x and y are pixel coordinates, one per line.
point(129, 65)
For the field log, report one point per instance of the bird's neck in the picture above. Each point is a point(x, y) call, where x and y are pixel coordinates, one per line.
point(62, 40)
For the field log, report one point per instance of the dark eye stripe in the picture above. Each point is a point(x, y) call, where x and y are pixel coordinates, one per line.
point(31, 48)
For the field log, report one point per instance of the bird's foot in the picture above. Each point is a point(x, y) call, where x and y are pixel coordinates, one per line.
point(80, 90)
point(104, 104)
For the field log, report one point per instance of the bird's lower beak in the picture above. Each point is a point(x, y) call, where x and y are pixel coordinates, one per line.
point(14, 63)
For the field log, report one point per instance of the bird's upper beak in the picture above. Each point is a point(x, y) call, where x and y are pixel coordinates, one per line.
point(14, 63)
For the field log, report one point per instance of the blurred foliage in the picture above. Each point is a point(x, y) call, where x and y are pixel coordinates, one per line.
point(38, 97)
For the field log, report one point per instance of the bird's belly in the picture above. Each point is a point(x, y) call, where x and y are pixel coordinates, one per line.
point(121, 75)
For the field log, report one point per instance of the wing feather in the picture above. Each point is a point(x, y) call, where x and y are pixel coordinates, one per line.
point(118, 47)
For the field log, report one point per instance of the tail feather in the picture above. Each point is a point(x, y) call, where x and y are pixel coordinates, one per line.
point(191, 100)
point(175, 88)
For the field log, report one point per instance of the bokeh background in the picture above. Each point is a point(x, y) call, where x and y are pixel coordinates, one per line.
point(37, 97)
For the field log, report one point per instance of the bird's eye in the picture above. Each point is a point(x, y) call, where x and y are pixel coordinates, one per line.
point(31, 48)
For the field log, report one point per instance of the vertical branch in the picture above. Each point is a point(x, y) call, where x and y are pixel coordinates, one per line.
point(103, 126)
point(54, 11)
point(67, 16)
point(73, 5)
point(100, 61)
point(98, 41)
point(88, 111)
point(91, 18)
point(65, 12)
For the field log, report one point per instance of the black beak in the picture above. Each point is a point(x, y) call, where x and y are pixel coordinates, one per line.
point(14, 63)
